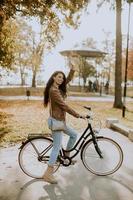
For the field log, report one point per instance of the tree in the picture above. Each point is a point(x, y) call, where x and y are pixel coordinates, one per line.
point(51, 14)
point(86, 69)
point(130, 66)
point(22, 48)
point(36, 56)
point(44, 9)
point(27, 49)
point(15, 36)
point(7, 45)
point(44, 43)
point(118, 59)
point(90, 43)
point(109, 60)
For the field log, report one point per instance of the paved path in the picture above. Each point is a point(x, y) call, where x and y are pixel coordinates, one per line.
point(105, 98)
point(75, 182)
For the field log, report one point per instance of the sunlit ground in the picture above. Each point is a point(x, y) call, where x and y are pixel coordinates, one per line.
point(19, 118)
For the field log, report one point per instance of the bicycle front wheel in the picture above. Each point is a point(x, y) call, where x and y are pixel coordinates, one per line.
point(111, 156)
point(34, 156)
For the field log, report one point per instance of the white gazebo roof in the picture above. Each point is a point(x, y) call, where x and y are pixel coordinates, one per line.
point(84, 52)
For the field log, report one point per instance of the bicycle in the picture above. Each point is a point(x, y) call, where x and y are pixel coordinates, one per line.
point(100, 155)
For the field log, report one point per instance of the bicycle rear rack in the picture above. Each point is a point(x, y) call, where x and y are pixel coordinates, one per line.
point(34, 135)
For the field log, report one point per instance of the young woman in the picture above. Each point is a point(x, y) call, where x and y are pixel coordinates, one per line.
point(55, 94)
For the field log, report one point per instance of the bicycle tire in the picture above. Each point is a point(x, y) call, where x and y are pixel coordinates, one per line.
point(29, 160)
point(110, 162)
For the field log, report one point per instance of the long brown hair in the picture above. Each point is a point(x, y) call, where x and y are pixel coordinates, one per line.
point(62, 87)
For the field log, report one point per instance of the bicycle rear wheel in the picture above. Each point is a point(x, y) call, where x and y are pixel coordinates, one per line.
point(111, 160)
point(34, 156)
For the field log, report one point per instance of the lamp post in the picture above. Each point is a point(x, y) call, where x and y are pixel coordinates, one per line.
point(126, 66)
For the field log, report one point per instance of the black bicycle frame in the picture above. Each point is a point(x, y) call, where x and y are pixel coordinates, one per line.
point(80, 141)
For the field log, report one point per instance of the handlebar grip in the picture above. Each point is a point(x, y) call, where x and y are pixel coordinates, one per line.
point(87, 116)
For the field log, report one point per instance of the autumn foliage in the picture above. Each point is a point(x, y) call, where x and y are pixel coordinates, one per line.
point(129, 67)
point(44, 9)
point(50, 13)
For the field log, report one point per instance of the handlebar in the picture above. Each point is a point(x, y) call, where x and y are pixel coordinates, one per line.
point(87, 117)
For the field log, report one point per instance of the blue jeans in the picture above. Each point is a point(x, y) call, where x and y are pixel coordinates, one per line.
point(57, 141)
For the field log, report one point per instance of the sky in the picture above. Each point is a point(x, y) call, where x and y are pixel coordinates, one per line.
point(92, 25)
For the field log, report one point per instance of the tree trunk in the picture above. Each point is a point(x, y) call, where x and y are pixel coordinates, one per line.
point(22, 81)
point(22, 77)
point(34, 79)
point(118, 61)
point(84, 82)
